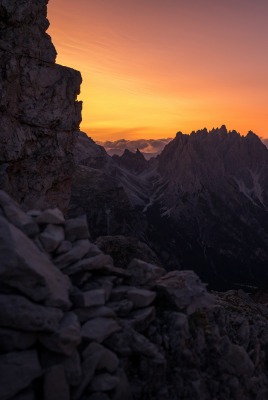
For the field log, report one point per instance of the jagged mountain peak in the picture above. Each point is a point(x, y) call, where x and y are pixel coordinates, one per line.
point(134, 162)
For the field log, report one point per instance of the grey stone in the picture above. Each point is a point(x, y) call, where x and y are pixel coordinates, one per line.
point(51, 237)
point(237, 362)
point(85, 314)
point(122, 390)
point(11, 340)
point(100, 282)
point(121, 308)
point(104, 383)
point(76, 228)
point(78, 251)
point(66, 338)
point(89, 264)
point(26, 269)
point(143, 273)
point(55, 384)
point(16, 216)
point(17, 371)
point(51, 216)
point(34, 213)
point(128, 341)
point(99, 329)
point(184, 290)
point(141, 319)
point(141, 297)
point(120, 292)
point(94, 251)
point(91, 298)
point(64, 247)
point(88, 370)
point(108, 359)
point(19, 313)
point(73, 370)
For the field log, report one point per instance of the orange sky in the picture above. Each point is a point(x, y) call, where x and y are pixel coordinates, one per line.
point(153, 67)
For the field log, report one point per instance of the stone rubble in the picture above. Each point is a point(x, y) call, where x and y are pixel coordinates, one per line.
point(75, 327)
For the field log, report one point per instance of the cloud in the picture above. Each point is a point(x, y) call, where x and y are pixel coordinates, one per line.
point(150, 147)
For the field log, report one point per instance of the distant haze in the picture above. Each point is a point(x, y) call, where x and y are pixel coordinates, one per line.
point(152, 67)
point(149, 147)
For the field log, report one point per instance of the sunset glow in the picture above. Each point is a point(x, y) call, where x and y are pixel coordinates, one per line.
point(153, 67)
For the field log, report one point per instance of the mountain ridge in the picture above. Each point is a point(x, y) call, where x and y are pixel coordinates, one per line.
point(202, 202)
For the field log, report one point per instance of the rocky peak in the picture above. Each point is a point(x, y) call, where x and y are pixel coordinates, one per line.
point(134, 162)
point(208, 157)
point(38, 109)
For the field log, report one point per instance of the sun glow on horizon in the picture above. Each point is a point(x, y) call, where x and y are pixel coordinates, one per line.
point(151, 70)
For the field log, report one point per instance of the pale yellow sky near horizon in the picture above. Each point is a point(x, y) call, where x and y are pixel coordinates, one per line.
point(152, 68)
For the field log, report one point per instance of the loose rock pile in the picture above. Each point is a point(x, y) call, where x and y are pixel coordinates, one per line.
point(75, 326)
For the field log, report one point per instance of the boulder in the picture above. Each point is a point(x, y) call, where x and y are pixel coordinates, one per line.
point(51, 216)
point(128, 341)
point(66, 338)
point(19, 313)
point(122, 390)
point(11, 340)
point(64, 247)
point(85, 314)
point(122, 308)
point(51, 237)
point(88, 370)
point(16, 216)
point(89, 264)
point(73, 370)
point(184, 291)
point(140, 319)
point(120, 292)
point(108, 359)
point(17, 371)
point(90, 298)
point(99, 329)
point(56, 386)
point(141, 297)
point(104, 383)
point(143, 273)
point(26, 269)
point(78, 251)
point(76, 228)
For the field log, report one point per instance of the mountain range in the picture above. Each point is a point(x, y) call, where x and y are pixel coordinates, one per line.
point(201, 204)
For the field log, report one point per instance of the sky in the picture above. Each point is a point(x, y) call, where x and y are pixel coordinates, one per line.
point(151, 68)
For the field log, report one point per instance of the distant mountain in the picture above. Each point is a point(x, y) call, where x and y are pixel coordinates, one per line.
point(148, 147)
point(202, 204)
point(265, 141)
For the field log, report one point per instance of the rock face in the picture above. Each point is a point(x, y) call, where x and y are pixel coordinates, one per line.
point(38, 109)
point(201, 204)
point(129, 333)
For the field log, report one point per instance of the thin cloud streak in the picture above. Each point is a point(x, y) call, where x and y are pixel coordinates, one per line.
point(204, 60)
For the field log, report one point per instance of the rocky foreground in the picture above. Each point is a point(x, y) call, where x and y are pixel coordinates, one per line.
point(76, 326)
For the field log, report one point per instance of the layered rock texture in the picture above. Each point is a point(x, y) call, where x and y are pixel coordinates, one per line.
point(38, 109)
point(74, 325)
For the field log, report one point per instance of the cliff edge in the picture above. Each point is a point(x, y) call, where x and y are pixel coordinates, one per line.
point(39, 112)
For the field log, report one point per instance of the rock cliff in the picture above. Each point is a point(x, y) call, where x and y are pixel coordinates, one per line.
point(38, 109)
